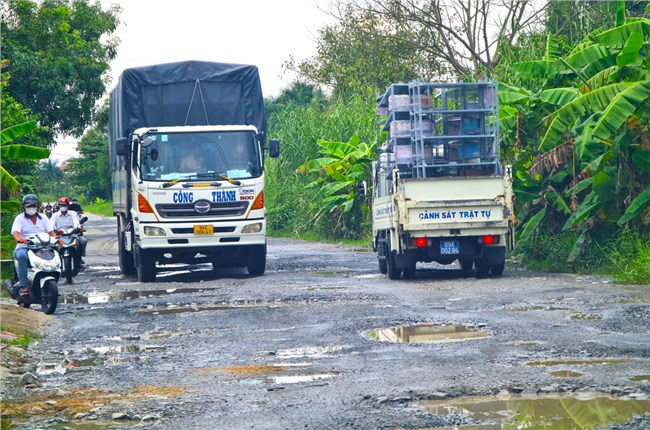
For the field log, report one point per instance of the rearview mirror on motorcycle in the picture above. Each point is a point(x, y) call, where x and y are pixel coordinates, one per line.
point(83, 219)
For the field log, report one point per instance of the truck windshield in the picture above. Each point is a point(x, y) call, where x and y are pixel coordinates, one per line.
point(170, 156)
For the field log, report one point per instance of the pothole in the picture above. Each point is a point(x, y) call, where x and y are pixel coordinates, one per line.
point(283, 373)
point(640, 378)
point(566, 374)
point(428, 333)
point(556, 411)
point(577, 362)
point(105, 297)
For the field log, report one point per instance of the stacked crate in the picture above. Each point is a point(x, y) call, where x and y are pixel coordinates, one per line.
point(435, 129)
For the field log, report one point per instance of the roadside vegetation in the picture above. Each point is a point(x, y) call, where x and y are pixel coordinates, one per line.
point(574, 107)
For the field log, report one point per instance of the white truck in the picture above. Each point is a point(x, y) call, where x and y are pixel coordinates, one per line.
point(440, 192)
point(186, 149)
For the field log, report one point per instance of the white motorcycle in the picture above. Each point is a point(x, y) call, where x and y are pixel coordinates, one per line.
point(43, 273)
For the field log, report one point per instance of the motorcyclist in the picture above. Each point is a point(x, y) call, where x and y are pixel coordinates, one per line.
point(66, 218)
point(27, 224)
point(75, 206)
point(48, 210)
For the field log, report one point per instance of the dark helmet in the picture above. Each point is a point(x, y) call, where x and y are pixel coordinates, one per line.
point(74, 200)
point(64, 201)
point(30, 199)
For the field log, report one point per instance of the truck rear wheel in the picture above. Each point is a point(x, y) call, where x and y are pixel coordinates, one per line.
point(257, 260)
point(392, 270)
point(126, 258)
point(497, 269)
point(146, 265)
point(382, 257)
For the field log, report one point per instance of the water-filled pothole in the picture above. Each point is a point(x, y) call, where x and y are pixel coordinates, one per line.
point(551, 411)
point(111, 296)
point(577, 362)
point(428, 333)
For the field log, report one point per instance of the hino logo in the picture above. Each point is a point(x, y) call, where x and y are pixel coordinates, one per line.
point(202, 206)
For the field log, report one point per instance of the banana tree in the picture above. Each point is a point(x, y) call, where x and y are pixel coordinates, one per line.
point(342, 167)
point(10, 151)
point(591, 164)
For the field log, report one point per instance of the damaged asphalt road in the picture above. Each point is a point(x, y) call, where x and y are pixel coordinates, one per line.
point(324, 341)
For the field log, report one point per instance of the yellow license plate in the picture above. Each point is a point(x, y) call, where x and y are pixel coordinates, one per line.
point(203, 229)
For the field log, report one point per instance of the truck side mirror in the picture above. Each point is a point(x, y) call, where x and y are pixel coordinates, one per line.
point(122, 146)
point(274, 148)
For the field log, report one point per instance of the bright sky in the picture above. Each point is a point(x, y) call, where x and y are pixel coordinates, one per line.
point(260, 32)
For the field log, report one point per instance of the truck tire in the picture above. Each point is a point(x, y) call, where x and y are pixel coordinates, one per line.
point(126, 258)
point(146, 265)
point(482, 269)
point(497, 269)
point(466, 265)
point(256, 264)
point(392, 270)
point(382, 252)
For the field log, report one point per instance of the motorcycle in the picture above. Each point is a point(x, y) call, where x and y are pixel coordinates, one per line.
point(70, 255)
point(43, 273)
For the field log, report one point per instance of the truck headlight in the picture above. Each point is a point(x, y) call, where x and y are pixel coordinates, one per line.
point(252, 228)
point(154, 231)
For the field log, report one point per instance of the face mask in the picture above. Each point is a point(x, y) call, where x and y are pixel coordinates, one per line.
point(30, 211)
point(64, 208)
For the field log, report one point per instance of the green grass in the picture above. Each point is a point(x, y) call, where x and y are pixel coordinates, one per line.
point(102, 208)
point(316, 237)
point(623, 256)
point(22, 340)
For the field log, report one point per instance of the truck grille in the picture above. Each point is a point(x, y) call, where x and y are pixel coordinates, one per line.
point(216, 210)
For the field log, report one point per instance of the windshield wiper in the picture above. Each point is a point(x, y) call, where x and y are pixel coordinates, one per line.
point(177, 180)
point(218, 175)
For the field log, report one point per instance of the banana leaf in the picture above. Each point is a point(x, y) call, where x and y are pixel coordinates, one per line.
point(642, 159)
point(630, 52)
point(532, 225)
point(620, 13)
point(23, 152)
point(15, 131)
point(576, 250)
point(8, 181)
point(538, 68)
point(587, 55)
point(552, 48)
point(559, 96)
point(624, 104)
point(638, 205)
point(618, 36)
point(586, 104)
point(315, 165)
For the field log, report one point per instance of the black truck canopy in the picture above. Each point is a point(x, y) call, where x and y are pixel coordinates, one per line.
point(186, 93)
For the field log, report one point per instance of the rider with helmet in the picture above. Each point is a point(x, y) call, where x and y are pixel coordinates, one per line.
point(27, 224)
point(75, 206)
point(65, 218)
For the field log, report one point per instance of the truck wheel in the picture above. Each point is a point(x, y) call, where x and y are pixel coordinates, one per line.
point(497, 269)
point(392, 270)
point(466, 264)
point(126, 258)
point(482, 269)
point(383, 265)
point(146, 266)
point(257, 260)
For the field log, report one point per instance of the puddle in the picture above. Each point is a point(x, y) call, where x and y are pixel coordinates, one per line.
point(312, 352)
point(256, 374)
point(584, 411)
point(566, 374)
point(586, 317)
point(641, 378)
point(428, 333)
point(537, 308)
point(105, 297)
point(576, 362)
point(196, 308)
point(527, 344)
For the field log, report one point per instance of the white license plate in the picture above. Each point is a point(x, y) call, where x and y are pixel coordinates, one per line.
point(449, 247)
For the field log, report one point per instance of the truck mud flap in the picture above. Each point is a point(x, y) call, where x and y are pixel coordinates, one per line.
point(494, 255)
